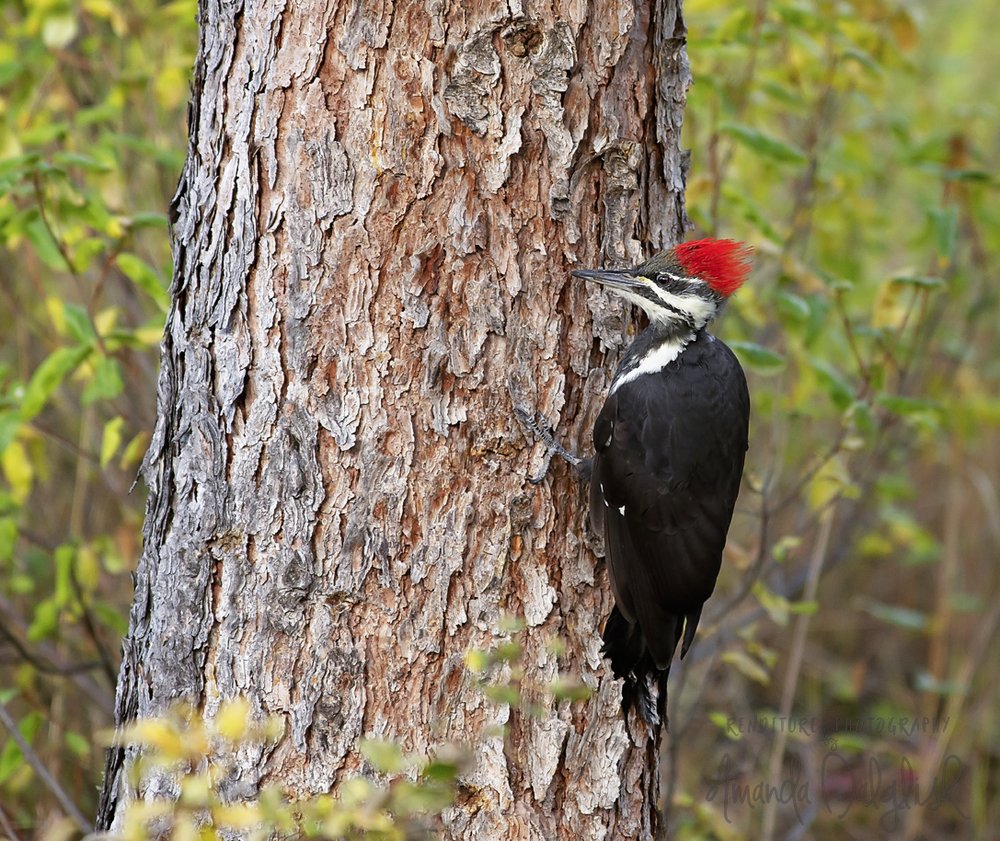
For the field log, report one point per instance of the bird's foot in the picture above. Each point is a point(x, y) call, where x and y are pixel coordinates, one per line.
point(552, 447)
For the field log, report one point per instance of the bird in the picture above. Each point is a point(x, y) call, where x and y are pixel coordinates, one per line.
point(670, 444)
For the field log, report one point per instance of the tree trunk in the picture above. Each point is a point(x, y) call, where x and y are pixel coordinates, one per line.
point(372, 239)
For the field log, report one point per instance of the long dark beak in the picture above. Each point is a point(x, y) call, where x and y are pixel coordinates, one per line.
point(616, 280)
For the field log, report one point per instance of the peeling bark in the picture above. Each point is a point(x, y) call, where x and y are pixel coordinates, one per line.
point(372, 241)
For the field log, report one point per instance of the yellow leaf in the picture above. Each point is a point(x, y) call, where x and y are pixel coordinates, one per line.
point(233, 718)
point(135, 450)
point(889, 308)
point(105, 320)
point(149, 336)
point(18, 470)
point(158, 734)
point(109, 11)
point(88, 568)
point(185, 829)
point(111, 439)
point(57, 313)
point(196, 790)
point(237, 816)
point(171, 86)
point(476, 661)
point(831, 481)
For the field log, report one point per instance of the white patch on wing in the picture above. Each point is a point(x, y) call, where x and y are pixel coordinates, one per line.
point(622, 510)
point(654, 362)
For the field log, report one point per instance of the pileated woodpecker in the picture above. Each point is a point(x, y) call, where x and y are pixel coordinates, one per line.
point(670, 444)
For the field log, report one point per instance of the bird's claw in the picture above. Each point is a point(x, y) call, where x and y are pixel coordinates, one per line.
point(545, 436)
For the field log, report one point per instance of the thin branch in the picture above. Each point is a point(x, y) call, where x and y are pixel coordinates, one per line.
point(46, 659)
point(930, 765)
point(33, 759)
point(37, 662)
point(43, 217)
point(794, 669)
point(110, 672)
point(6, 827)
point(838, 301)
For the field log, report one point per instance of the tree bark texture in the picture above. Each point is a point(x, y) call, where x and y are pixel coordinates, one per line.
point(372, 241)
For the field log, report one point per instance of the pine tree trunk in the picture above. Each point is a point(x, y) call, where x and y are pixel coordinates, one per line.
point(372, 238)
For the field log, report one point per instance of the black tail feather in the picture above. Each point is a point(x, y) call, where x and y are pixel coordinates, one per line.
point(645, 683)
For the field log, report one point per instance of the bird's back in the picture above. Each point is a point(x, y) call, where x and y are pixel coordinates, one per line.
point(670, 447)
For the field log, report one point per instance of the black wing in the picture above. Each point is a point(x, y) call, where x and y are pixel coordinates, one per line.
point(670, 450)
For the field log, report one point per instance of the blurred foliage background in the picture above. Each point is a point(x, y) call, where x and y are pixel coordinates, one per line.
point(853, 143)
point(93, 96)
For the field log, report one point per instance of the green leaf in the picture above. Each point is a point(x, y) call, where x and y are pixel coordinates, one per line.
point(901, 617)
point(792, 307)
point(106, 383)
point(835, 383)
point(921, 281)
point(77, 744)
point(46, 247)
point(510, 624)
point(441, 771)
point(8, 538)
point(63, 559)
point(926, 682)
point(507, 652)
point(908, 406)
point(84, 162)
point(49, 376)
point(10, 70)
point(409, 798)
point(569, 688)
point(747, 665)
point(10, 422)
point(146, 220)
point(944, 224)
point(775, 604)
point(503, 693)
point(757, 358)
point(45, 620)
point(384, 755)
point(725, 723)
point(143, 276)
point(763, 144)
point(78, 324)
point(860, 414)
point(11, 758)
point(866, 60)
point(111, 617)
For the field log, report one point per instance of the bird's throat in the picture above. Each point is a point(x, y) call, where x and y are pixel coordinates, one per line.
point(652, 351)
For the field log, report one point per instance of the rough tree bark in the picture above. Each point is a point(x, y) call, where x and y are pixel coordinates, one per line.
point(372, 240)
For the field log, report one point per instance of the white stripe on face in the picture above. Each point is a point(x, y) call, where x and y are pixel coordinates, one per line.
point(700, 310)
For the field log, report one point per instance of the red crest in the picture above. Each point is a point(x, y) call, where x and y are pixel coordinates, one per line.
point(722, 263)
